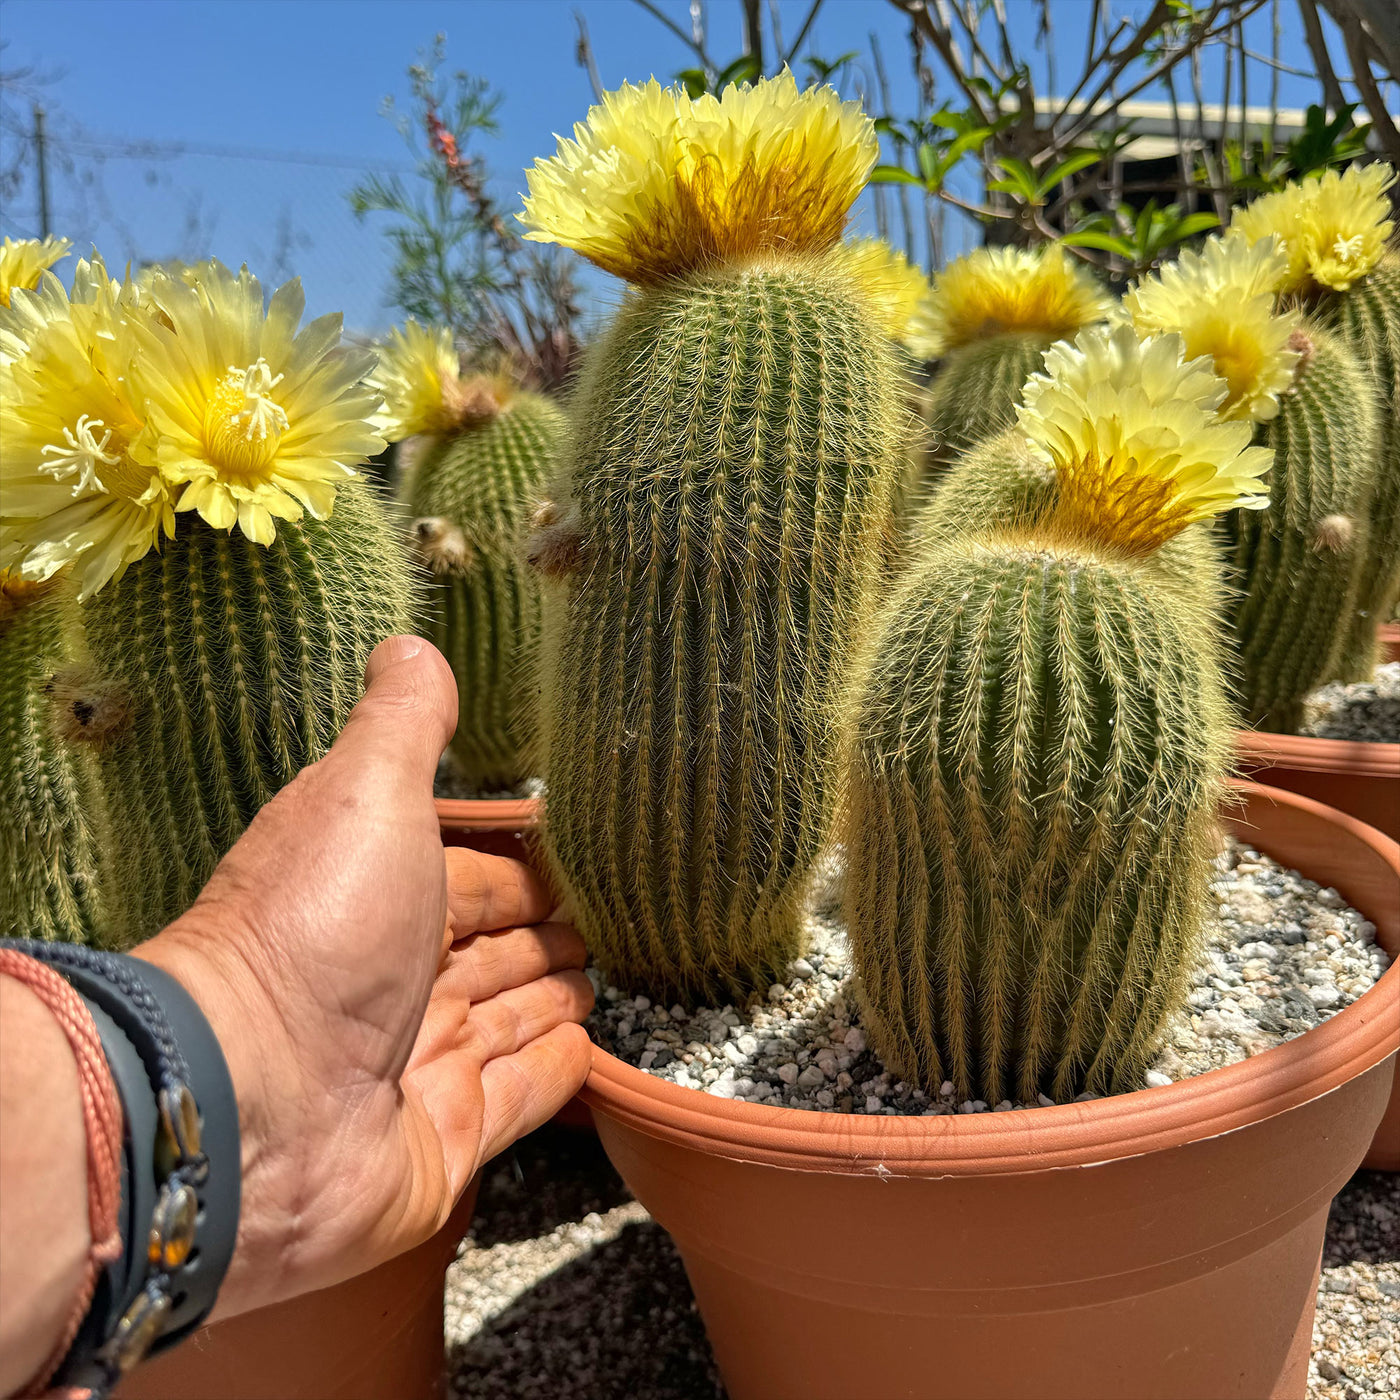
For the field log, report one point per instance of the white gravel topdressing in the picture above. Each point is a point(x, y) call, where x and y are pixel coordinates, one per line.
point(1282, 954)
point(1367, 712)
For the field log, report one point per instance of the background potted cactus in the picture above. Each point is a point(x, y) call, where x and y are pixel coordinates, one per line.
point(1035, 735)
point(483, 449)
point(195, 579)
point(1320, 571)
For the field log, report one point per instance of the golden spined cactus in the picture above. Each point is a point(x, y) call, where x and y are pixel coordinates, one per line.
point(486, 449)
point(712, 546)
point(1295, 567)
point(190, 455)
point(1036, 736)
point(988, 320)
point(52, 821)
point(1336, 231)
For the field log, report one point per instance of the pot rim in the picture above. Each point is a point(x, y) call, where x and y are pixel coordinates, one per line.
point(1219, 1101)
point(1318, 755)
point(516, 814)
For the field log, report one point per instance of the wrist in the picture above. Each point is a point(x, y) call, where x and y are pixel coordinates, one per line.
point(252, 1036)
point(44, 1234)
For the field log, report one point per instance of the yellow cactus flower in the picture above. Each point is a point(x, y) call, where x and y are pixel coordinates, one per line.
point(1333, 227)
point(893, 287)
point(1220, 301)
point(417, 377)
point(23, 261)
point(77, 484)
point(1345, 224)
point(1007, 289)
point(254, 420)
point(1137, 446)
point(656, 184)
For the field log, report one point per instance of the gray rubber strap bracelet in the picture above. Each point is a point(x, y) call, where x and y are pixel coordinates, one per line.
point(181, 1177)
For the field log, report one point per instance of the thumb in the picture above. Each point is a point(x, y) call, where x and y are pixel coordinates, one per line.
point(406, 715)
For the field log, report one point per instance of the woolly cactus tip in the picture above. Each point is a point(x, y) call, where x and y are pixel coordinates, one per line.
point(23, 262)
point(994, 290)
point(1221, 302)
point(656, 184)
point(1132, 432)
point(1331, 227)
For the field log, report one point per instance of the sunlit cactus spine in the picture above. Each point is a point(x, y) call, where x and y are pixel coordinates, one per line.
point(193, 464)
point(1334, 230)
point(988, 319)
point(1036, 736)
point(736, 438)
point(51, 816)
point(486, 448)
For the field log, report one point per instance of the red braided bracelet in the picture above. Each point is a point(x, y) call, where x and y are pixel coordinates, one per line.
point(102, 1123)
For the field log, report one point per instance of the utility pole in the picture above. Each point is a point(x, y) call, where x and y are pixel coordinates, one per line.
point(41, 157)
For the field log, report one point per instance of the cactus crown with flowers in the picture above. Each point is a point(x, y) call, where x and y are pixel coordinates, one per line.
point(126, 403)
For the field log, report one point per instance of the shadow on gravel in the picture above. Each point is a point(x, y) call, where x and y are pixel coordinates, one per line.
point(1364, 1226)
point(618, 1322)
point(553, 1176)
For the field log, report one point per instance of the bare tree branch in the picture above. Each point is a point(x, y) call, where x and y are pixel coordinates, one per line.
point(1359, 52)
point(802, 32)
point(695, 43)
point(1312, 31)
point(753, 32)
point(583, 56)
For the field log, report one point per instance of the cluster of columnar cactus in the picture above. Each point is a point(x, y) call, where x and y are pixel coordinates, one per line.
point(1024, 732)
point(1037, 735)
point(1296, 566)
point(735, 446)
point(486, 448)
point(1332, 232)
point(176, 470)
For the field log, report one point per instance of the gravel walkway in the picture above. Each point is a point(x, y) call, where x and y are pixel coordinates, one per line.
point(566, 1288)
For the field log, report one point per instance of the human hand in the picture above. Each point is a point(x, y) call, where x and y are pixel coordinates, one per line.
point(389, 1021)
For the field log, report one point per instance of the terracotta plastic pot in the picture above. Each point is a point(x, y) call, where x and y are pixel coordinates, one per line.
point(1362, 780)
point(369, 1338)
point(1159, 1244)
point(1390, 641)
point(499, 827)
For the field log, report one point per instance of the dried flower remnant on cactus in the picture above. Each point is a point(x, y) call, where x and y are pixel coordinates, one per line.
point(994, 290)
point(1221, 302)
point(23, 261)
point(255, 420)
point(656, 183)
point(78, 483)
point(417, 377)
point(1138, 448)
point(1332, 227)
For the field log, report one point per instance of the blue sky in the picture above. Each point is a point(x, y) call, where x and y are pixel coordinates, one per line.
point(303, 79)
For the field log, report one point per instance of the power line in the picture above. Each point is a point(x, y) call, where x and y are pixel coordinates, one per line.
point(146, 150)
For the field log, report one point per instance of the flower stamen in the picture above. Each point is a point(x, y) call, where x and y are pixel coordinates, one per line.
point(81, 456)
